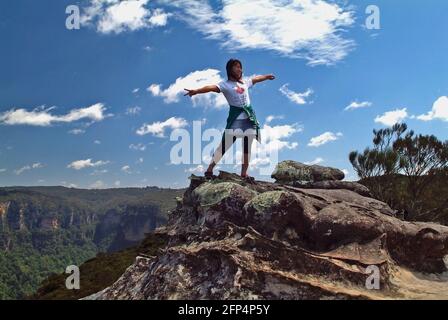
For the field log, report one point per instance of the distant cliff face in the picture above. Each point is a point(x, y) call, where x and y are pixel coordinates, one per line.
point(26, 215)
point(127, 228)
point(3, 215)
point(41, 228)
point(16, 216)
point(121, 226)
point(231, 238)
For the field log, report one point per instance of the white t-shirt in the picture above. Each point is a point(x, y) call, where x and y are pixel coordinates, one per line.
point(237, 94)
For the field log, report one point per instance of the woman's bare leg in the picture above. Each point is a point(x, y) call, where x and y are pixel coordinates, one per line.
point(247, 146)
point(220, 151)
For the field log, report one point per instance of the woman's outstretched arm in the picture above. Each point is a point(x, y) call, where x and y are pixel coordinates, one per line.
point(210, 88)
point(257, 79)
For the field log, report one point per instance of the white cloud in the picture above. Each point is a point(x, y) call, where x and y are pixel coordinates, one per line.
point(126, 169)
point(140, 160)
point(357, 105)
point(350, 175)
point(138, 147)
point(198, 169)
point(275, 139)
point(94, 112)
point(315, 161)
point(41, 116)
point(159, 18)
point(258, 162)
point(305, 29)
point(28, 167)
point(154, 89)
point(97, 142)
point(117, 183)
point(98, 185)
point(193, 80)
point(389, 118)
point(81, 164)
point(69, 185)
point(77, 131)
point(439, 110)
point(2, 170)
point(136, 90)
point(116, 16)
point(133, 111)
point(158, 128)
point(296, 97)
point(276, 133)
point(324, 138)
point(270, 118)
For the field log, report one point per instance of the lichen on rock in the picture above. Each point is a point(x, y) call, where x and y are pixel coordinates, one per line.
point(289, 171)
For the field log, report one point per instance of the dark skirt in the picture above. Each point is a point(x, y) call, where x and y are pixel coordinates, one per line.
point(245, 126)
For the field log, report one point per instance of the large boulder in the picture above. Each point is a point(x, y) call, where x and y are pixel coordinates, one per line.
point(291, 171)
point(218, 202)
point(231, 239)
point(276, 214)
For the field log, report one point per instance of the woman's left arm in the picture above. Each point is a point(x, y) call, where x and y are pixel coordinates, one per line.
point(257, 79)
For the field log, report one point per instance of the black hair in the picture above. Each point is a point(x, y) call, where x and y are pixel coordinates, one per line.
point(229, 66)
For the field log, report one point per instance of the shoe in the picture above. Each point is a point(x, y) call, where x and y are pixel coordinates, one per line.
point(248, 178)
point(208, 175)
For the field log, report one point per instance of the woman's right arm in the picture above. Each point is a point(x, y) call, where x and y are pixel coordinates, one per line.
point(206, 89)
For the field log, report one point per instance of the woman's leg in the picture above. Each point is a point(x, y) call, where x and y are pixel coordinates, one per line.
point(224, 145)
point(247, 147)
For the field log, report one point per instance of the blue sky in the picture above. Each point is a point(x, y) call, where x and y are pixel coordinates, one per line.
point(71, 114)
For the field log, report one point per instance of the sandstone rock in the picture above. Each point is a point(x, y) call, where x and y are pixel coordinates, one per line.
point(217, 202)
point(276, 214)
point(335, 184)
point(290, 171)
point(233, 240)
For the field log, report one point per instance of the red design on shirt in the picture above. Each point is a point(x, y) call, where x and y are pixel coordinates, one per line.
point(239, 90)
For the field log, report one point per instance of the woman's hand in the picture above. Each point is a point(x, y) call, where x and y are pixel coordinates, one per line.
point(261, 78)
point(190, 92)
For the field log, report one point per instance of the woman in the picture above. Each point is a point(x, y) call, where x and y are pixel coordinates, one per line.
point(241, 121)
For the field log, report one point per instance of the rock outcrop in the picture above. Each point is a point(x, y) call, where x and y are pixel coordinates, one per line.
point(291, 171)
point(230, 238)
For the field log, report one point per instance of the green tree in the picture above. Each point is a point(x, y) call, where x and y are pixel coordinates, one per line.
point(422, 158)
point(379, 165)
point(396, 153)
